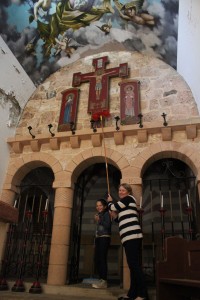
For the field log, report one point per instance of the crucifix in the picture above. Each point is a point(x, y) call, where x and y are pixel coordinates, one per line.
point(99, 83)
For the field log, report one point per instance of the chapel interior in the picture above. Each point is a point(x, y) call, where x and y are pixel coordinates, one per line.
point(70, 137)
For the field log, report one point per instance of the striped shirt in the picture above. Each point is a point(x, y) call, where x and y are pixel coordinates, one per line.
point(129, 226)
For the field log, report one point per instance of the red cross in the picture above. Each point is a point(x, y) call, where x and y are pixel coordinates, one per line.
point(98, 100)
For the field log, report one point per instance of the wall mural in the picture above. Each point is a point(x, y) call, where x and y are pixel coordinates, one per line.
point(46, 35)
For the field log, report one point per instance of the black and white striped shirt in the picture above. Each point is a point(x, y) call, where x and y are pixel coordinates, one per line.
point(129, 227)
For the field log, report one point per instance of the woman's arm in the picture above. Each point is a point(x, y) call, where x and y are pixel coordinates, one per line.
point(111, 205)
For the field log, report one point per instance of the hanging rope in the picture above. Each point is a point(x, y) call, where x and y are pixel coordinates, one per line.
point(95, 117)
point(106, 162)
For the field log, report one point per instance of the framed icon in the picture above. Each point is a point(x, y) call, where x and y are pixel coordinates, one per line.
point(129, 101)
point(68, 110)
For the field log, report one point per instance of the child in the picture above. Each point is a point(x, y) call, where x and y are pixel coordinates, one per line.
point(102, 242)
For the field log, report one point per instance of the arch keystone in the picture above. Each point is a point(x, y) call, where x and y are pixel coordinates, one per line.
point(87, 154)
point(97, 151)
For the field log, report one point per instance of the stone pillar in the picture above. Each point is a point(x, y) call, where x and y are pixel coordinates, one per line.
point(137, 192)
point(7, 196)
point(60, 236)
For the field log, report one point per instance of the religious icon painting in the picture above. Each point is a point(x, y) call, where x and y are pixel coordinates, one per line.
point(129, 101)
point(68, 110)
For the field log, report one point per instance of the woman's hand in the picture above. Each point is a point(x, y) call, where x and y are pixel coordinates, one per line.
point(114, 215)
point(109, 199)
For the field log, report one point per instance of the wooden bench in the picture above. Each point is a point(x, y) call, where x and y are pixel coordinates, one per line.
point(178, 276)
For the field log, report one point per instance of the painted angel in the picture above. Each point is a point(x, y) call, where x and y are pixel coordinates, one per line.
point(132, 11)
point(64, 45)
point(106, 27)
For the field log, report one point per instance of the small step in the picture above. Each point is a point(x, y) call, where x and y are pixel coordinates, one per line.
point(74, 292)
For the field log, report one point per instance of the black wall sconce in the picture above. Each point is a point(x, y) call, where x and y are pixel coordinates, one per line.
point(72, 127)
point(140, 116)
point(117, 118)
point(93, 123)
point(164, 117)
point(29, 129)
point(50, 126)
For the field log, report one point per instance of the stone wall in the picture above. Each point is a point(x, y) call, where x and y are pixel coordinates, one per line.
point(162, 89)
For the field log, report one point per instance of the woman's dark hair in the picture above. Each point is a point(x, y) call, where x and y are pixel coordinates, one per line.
point(127, 187)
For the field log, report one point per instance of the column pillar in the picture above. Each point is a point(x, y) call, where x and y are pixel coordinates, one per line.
point(7, 196)
point(137, 192)
point(60, 242)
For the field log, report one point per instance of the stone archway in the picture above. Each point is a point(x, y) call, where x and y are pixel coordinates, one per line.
point(63, 206)
point(19, 167)
point(28, 240)
point(95, 155)
point(90, 186)
point(78, 166)
point(188, 153)
point(16, 171)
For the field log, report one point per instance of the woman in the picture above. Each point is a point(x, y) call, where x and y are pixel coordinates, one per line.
point(131, 238)
point(102, 241)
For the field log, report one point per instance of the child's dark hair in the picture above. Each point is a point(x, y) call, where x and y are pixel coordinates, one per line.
point(103, 202)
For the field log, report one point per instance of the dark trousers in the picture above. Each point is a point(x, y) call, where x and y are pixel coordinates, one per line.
point(101, 252)
point(137, 284)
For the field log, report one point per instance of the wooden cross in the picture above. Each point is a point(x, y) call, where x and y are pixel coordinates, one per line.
point(99, 83)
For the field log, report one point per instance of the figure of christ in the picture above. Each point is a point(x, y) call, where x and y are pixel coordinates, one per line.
point(100, 76)
point(99, 83)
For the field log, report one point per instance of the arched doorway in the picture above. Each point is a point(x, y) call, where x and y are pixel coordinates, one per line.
point(28, 242)
point(170, 204)
point(90, 186)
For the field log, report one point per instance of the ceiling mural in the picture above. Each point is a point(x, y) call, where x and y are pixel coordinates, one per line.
point(46, 35)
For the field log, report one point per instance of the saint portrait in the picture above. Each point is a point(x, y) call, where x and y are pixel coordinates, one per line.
point(68, 109)
point(129, 101)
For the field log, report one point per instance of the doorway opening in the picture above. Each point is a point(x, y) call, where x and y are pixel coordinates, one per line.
point(170, 205)
point(91, 186)
point(28, 242)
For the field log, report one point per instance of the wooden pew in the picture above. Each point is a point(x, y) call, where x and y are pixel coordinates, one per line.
point(178, 276)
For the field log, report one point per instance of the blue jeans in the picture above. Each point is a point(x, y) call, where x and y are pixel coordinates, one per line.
point(137, 285)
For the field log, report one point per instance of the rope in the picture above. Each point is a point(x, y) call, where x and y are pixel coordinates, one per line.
point(107, 177)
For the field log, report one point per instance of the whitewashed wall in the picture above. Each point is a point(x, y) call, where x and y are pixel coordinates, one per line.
point(15, 90)
point(188, 63)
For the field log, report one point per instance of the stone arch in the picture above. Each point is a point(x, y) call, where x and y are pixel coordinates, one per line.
point(19, 167)
point(95, 155)
point(188, 153)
